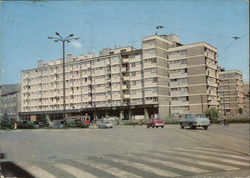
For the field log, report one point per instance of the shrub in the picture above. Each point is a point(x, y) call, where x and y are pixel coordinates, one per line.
point(212, 114)
point(6, 124)
point(172, 122)
point(25, 125)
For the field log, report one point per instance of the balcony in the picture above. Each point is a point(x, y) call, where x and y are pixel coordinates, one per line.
point(177, 65)
point(179, 93)
point(177, 56)
point(176, 84)
point(125, 77)
point(126, 96)
point(179, 103)
point(150, 94)
point(125, 60)
point(124, 87)
point(177, 75)
point(124, 69)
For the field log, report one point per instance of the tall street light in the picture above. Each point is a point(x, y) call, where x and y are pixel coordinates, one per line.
point(63, 40)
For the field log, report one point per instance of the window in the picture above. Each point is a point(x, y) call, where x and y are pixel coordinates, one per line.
point(133, 74)
point(154, 80)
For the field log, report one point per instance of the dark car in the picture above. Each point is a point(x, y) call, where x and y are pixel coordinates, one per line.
point(194, 120)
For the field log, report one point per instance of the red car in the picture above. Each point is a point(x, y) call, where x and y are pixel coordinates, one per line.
point(156, 123)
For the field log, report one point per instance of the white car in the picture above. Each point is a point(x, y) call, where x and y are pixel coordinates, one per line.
point(105, 125)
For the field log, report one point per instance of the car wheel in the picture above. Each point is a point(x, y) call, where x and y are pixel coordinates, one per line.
point(156, 126)
point(182, 127)
point(153, 127)
point(205, 127)
point(193, 127)
point(162, 126)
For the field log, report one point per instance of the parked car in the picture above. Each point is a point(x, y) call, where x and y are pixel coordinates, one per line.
point(104, 124)
point(155, 123)
point(194, 120)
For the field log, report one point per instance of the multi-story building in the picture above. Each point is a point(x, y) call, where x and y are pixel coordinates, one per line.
point(193, 73)
point(125, 82)
point(247, 96)
point(10, 101)
point(231, 92)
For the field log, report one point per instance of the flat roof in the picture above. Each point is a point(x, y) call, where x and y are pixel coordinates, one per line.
point(185, 46)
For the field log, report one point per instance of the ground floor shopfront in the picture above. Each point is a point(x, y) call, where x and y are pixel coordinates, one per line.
point(119, 113)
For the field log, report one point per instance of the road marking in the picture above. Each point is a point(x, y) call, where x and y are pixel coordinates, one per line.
point(144, 167)
point(107, 168)
point(209, 157)
point(35, 171)
point(56, 130)
point(215, 149)
point(74, 171)
point(171, 164)
point(203, 163)
point(219, 154)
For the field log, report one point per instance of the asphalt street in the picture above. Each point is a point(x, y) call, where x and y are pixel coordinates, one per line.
point(127, 151)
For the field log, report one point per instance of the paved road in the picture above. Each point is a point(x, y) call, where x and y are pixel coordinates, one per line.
point(126, 151)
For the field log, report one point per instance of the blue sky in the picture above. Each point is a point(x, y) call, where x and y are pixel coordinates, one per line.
point(25, 25)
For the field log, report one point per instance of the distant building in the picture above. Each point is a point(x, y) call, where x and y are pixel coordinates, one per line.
point(163, 77)
point(231, 92)
point(10, 101)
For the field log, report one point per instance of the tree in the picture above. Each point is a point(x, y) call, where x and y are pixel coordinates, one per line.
point(5, 116)
point(5, 123)
point(212, 113)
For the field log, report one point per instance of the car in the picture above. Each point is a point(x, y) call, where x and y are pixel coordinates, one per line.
point(104, 124)
point(194, 120)
point(155, 123)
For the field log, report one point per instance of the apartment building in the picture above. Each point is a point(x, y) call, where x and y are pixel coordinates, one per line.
point(125, 82)
point(193, 74)
point(10, 101)
point(231, 92)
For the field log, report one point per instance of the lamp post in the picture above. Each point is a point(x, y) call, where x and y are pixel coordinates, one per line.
point(63, 40)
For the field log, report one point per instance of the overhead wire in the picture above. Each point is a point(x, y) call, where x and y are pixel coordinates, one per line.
point(124, 20)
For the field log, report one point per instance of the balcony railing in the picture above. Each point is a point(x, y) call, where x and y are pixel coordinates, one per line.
point(179, 103)
point(176, 75)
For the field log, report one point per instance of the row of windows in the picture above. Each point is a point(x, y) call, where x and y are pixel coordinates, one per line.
point(179, 80)
point(183, 61)
point(185, 98)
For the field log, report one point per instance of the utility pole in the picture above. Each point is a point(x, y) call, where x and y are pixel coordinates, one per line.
point(224, 104)
point(236, 103)
point(63, 40)
point(201, 104)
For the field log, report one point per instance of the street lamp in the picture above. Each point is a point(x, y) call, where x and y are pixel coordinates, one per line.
point(63, 40)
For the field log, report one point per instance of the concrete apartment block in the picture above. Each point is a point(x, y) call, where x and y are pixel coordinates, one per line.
point(231, 92)
point(163, 77)
point(155, 70)
point(193, 73)
point(10, 101)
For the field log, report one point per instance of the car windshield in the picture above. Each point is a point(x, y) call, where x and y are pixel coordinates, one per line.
point(197, 116)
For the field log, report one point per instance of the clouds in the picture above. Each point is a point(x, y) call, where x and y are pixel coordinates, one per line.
point(76, 44)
